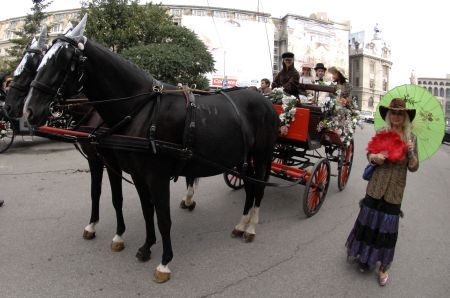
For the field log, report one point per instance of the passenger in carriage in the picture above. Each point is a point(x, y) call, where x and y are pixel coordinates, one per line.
point(344, 88)
point(265, 87)
point(320, 70)
point(288, 77)
point(306, 76)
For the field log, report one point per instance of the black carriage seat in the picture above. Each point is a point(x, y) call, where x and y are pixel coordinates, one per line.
point(315, 116)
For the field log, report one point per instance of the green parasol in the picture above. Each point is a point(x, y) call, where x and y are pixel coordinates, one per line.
point(428, 125)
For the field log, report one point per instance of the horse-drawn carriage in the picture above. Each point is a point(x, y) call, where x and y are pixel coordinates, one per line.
point(11, 128)
point(297, 157)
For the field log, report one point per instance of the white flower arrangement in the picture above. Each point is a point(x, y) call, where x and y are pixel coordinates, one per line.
point(288, 103)
point(338, 119)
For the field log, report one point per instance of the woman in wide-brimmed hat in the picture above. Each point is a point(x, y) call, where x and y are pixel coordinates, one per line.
point(374, 235)
point(344, 88)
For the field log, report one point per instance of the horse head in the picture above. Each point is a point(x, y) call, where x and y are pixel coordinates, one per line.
point(58, 76)
point(24, 74)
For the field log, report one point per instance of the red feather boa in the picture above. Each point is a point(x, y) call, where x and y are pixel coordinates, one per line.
point(389, 142)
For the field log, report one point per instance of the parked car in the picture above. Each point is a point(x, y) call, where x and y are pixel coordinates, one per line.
point(447, 132)
point(367, 116)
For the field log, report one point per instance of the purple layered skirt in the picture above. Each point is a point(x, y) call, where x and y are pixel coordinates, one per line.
point(375, 232)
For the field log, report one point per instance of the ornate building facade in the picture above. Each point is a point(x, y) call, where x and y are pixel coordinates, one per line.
point(246, 45)
point(370, 67)
point(439, 87)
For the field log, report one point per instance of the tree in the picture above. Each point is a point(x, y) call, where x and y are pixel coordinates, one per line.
point(120, 24)
point(177, 56)
point(24, 36)
point(146, 35)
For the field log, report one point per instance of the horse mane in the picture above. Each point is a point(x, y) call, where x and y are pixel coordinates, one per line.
point(128, 66)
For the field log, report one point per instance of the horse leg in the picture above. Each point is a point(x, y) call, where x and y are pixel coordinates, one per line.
point(240, 228)
point(262, 170)
point(115, 181)
point(144, 253)
point(161, 193)
point(96, 170)
point(187, 202)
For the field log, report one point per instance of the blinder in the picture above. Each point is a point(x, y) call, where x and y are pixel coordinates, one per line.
point(76, 66)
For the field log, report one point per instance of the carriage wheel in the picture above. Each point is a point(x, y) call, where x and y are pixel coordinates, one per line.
point(345, 165)
point(316, 188)
point(233, 181)
point(6, 134)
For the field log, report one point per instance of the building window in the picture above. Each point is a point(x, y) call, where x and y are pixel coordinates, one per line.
point(356, 82)
point(435, 83)
point(56, 28)
point(370, 103)
point(447, 93)
point(372, 67)
point(372, 83)
point(176, 12)
point(447, 84)
point(430, 83)
point(419, 82)
point(199, 12)
point(262, 19)
point(385, 85)
point(430, 89)
point(441, 92)
point(441, 84)
point(220, 14)
point(356, 67)
point(58, 17)
point(243, 16)
point(435, 91)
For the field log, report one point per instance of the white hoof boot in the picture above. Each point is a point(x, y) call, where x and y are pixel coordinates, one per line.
point(162, 274)
point(117, 244)
point(89, 231)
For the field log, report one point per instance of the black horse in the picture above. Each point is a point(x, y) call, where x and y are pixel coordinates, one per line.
point(231, 130)
point(23, 76)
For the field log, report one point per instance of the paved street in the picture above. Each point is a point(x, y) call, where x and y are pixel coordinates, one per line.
point(46, 187)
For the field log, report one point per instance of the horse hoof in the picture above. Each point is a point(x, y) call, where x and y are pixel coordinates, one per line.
point(117, 246)
point(88, 235)
point(143, 256)
point(249, 237)
point(161, 277)
point(237, 233)
point(190, 207)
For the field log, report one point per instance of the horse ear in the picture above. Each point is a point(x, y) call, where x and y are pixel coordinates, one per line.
point(78, 31)
point(68, 28)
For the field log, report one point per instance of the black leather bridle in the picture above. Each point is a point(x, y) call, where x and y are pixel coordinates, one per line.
point(76, 66)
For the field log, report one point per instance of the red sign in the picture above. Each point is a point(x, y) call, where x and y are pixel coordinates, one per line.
point(218, 82)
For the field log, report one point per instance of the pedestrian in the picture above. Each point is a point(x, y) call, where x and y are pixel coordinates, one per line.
point(374, 235)
point(344, 88)
point(288, 78)
point(2, 91)
point(2, 99)
point(265, 87)
point(7, 84)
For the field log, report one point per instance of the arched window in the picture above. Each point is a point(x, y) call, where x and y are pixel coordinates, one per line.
point(447, 84)
point(441, 92)
point(370, 103)
point(435, 91)
point(447, 93)
point(419, 82)
point(435, 83)
point(430, 89)
point(441, 83)
point(429, 83)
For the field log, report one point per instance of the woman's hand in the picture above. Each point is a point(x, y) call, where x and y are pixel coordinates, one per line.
point(378, 158)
